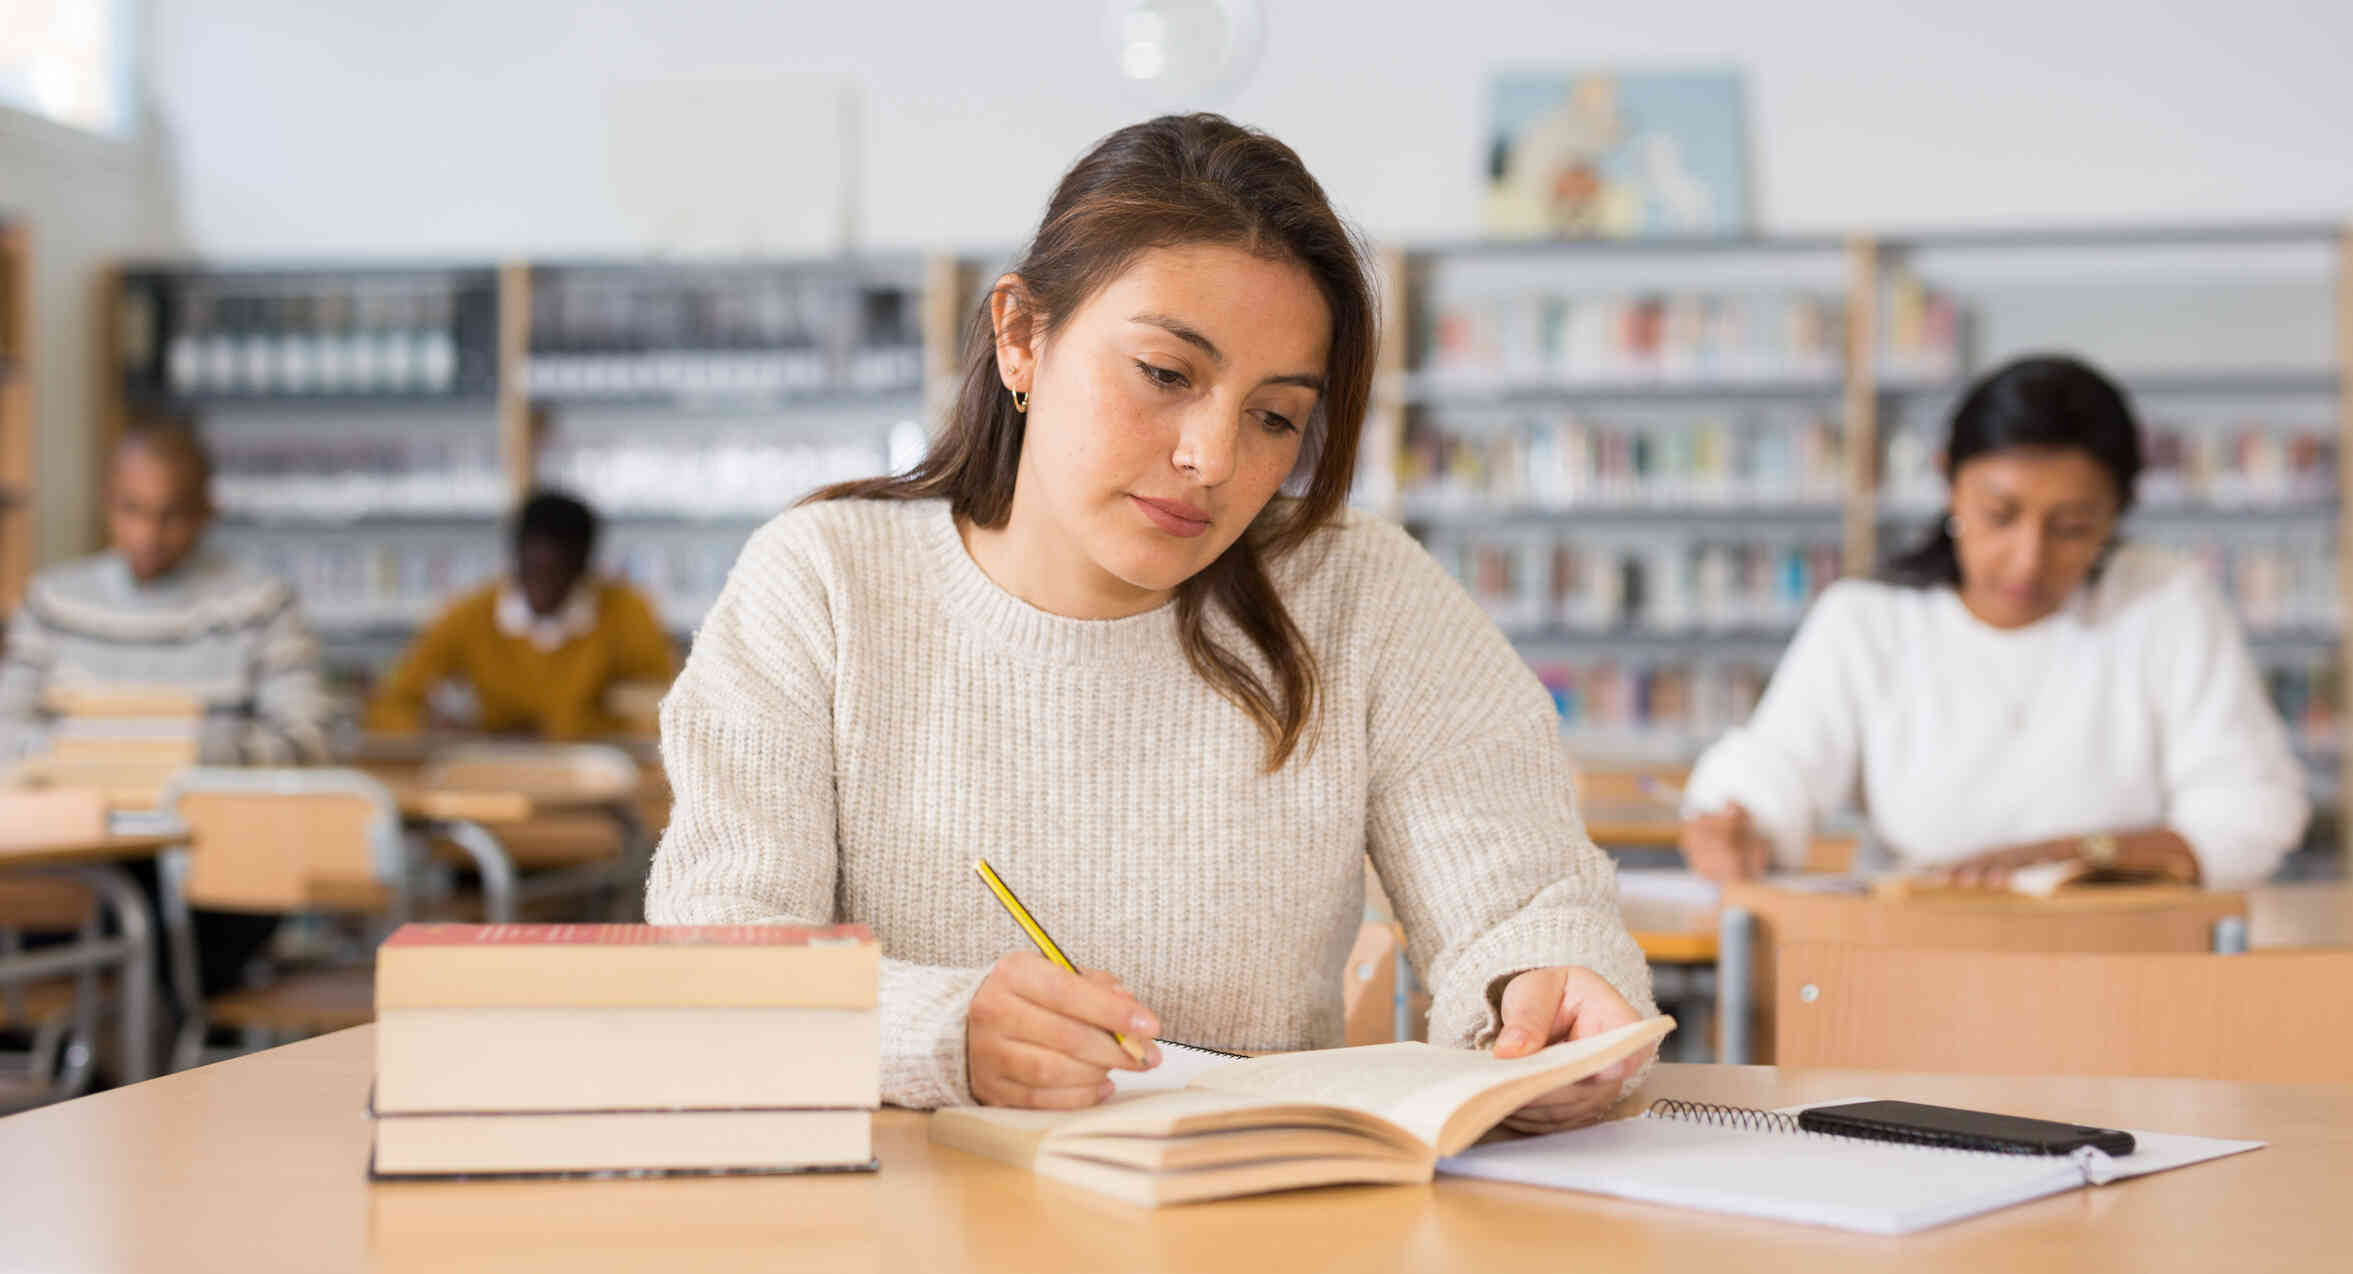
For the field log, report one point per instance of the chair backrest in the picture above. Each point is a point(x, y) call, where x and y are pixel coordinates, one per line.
point(593, 770)
point(275, 840)
point(2266, 1017)
point(2124, 920)
point(1368, 989)
point(38, 819)
point(2095, 920)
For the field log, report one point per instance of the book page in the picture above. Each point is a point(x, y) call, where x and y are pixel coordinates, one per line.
point(1179, 1066)
point(1420, 1087)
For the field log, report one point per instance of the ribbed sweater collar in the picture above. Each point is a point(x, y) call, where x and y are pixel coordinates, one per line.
point(1002, 619)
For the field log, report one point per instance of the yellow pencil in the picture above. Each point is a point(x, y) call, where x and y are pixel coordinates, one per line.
point(1037, 934)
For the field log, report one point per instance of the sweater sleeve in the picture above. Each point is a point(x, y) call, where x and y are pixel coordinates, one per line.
point(291, 711)
point(2233, 786)
point(748, 741)
point(24, 679)
point(1471, 815)
point(1799, 758)
point(398, 706)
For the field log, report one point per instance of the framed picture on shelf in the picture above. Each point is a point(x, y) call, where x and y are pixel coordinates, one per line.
point(1603, 154)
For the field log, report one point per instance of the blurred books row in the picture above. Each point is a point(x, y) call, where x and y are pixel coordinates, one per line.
point(730, 475)
point(1534, 583)
point(2310, 697)
point(720, 331)
point(1551, 337)
point(370, 584)
point(1577, 460)
point(693, 375)
point(559, 1050)
point(2285, 582)
point(264, 335)
point(2222, 464)
point(334, 477)
point(1672, 708)
point(357, 583)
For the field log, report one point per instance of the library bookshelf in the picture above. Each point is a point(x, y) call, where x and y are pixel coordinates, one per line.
point(17, 527)
point(1645, 458)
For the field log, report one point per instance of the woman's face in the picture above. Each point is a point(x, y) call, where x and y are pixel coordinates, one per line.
point(2028, 523)
point(1164, 413)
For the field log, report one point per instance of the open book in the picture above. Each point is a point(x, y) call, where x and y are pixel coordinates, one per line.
point(2062, 878)
point(1382, 1113)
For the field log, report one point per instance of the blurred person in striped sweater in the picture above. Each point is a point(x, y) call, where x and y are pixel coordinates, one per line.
point(162, 611)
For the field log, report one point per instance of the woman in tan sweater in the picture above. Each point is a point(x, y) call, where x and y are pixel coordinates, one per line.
point(1091, 638)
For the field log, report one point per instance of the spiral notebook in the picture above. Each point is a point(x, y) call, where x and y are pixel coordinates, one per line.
point(1760, 1163)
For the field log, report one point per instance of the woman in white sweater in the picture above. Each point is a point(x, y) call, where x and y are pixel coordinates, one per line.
point(1090, 638)
point(2019, 689)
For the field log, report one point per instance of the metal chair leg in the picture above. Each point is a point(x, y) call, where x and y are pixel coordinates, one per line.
point(1735, 973)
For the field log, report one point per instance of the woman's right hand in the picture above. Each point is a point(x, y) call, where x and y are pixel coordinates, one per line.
point(1723, 847)
point(1038, 1035)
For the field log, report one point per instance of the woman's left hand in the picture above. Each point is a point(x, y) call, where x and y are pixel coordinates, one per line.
point(1546, 1006)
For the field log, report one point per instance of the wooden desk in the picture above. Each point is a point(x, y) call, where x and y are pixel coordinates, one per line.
point(111, 849)
point(257, 1165)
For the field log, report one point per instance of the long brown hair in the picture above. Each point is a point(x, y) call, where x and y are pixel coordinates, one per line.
point(1170, 182)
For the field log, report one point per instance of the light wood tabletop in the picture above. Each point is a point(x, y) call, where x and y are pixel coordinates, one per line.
point(106, 849)
point(258, 1165)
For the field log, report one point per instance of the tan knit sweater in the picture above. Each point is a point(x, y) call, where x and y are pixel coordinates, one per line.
point(864, 712)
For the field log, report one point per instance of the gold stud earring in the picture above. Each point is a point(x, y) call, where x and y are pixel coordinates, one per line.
point(1020, 401)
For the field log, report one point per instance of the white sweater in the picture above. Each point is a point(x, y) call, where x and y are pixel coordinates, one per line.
point(865, 712)
point(2136, 705)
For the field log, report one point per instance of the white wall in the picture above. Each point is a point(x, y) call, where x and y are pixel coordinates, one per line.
point(88, 201)
point(457, 126)
point(478, 128)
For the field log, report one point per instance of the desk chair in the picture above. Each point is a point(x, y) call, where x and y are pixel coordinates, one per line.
point(1368, 989)
point(280, 841)
point(53, 993)
point(585, 852)
point(2277, 1017)
point(1757, 920)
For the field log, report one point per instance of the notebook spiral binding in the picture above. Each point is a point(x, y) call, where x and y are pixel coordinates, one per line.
point(1742, 1117)
point(1700, 1112)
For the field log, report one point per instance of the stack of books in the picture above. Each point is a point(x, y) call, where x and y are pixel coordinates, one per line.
point(549, 1050)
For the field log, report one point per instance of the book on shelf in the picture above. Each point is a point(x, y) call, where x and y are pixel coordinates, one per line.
point(308, 334)
point(1626, 339)
point(1569, 583)
point(624, 1048)
point(1573, 461)
point(1382, 1113)
point(2241, 462)
point(762, 331)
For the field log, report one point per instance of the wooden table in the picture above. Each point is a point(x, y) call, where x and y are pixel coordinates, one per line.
point(257, 1165)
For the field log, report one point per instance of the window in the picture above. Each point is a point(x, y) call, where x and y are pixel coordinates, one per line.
point(67, 60)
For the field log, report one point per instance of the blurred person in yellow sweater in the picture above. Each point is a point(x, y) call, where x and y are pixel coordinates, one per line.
point(537, 651)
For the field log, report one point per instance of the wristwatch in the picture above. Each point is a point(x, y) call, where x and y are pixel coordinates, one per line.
point(2099, 849)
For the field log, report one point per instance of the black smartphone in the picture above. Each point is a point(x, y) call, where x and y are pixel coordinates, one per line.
point(1965, 1129)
